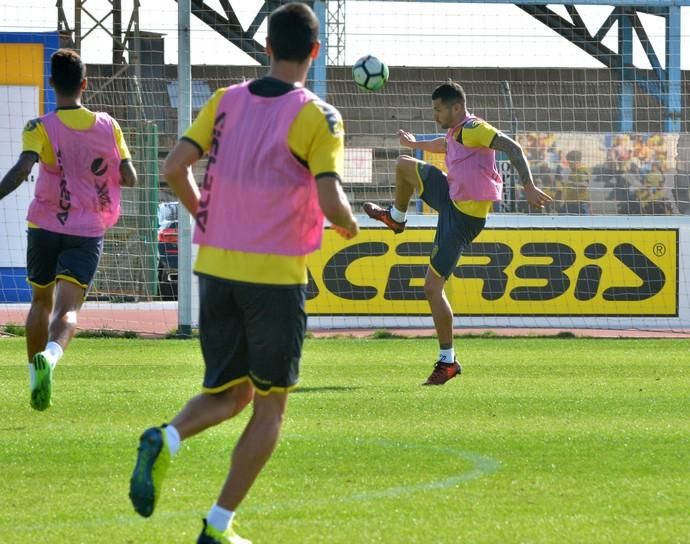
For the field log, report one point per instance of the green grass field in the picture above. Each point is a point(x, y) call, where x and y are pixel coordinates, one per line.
point(541, 440)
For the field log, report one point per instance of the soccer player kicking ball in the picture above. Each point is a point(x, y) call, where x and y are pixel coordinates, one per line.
point(462, 198)
point(275, 159)
point(83, 161)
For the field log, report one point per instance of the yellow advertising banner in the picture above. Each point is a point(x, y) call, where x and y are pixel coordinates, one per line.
point(545, 272)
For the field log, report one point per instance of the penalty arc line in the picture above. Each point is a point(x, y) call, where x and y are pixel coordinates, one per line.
point(482, 465)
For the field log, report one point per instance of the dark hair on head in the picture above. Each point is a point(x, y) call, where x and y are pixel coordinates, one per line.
point(449, 93)
point(574, 155)
point(293, 29)
point(67, 71)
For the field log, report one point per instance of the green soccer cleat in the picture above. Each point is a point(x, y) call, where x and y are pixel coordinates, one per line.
point(211, 535)
point(43, 383)
point(153, 460)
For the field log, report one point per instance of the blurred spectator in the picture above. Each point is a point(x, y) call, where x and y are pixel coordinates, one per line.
point(653, 194)
point(681, 189)
point(606, 173)
point(640, 149)
point(624, 193)
point(544, 160)
point(657, 143)
point(621, 147)
point(573, 190)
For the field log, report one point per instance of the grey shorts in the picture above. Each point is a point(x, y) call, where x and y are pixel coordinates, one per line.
point(455, 230)
point(251, 332)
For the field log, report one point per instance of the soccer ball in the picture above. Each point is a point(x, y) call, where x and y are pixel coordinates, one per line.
point(370, 73)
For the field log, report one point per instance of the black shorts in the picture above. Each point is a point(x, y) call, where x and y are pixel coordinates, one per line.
point(455, 230)
point(51, 256)
point(251, 332)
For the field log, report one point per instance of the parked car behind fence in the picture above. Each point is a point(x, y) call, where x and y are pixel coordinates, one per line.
point(167, 250)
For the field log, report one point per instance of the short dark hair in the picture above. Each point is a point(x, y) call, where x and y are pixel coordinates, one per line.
point(574, 155)
point(67, 71)
point(449, 93)
point(293, 29)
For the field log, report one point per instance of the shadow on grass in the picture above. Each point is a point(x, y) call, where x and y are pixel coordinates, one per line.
point(324, 389)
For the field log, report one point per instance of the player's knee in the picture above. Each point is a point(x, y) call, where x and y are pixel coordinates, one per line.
point(406, 168)
point(406, 163)
point(42, 303)
point(65, 313)
point(433, 289)
point(238, 398)
point(69, 316)
point(42, 297)
point(269, 418)
point(243, 395)
point(270, 408)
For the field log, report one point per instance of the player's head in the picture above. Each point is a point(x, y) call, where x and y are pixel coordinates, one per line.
point(67, 72)
point(293, 33)
point(574, 156)
point(448, 102)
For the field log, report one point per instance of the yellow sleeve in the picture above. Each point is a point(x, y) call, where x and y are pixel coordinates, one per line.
point(200, 131)
point(35, 140)
point(478, 133)
point(317, 136)
point(120, 141)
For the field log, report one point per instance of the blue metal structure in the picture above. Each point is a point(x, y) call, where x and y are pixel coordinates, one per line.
point(664, 84)
point(318, 70)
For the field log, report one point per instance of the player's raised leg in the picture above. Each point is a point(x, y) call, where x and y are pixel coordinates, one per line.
point(207, 409)
point(69, 297)
point(406, 181)
point(153, 460)
point(158, 445)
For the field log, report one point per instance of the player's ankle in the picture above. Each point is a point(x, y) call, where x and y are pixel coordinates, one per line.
point(397, 215)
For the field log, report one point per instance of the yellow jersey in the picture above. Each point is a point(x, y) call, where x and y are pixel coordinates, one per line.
point(35, 138)
point(575, 186)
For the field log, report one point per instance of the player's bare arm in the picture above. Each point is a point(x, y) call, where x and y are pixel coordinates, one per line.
point(17, 174)
point(335, 206)
point(178, 173)
point(437, 145)
point(128, 175)
point(535, 196)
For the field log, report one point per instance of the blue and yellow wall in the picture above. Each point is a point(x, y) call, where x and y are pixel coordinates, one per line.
point(25, 61)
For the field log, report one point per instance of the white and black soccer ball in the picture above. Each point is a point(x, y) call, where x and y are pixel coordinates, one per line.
point(370, 73)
